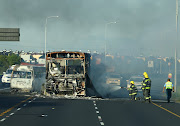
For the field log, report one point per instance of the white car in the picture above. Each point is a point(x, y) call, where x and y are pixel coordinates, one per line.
point(113, 79)
point(137, 82)
point(6, 78)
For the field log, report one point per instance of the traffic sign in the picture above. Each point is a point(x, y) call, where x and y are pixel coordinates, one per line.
point(150, 64)
point(9, 34)
point(170, 75)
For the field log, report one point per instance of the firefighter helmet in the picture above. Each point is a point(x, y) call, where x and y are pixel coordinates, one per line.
point(132, 82)
point(145, 75)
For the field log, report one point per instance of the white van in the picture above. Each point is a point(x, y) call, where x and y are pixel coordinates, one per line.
point(28, 78)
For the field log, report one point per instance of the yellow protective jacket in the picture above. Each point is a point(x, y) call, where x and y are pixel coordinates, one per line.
point(132, 90)
point(146, 84)
point(169, 85)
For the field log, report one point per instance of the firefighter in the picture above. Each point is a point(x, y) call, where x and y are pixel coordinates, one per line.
point(132, 91)
point(146, 86)
point(169, 86)
point(143, 88)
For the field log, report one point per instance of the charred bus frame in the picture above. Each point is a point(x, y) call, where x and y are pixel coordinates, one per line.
point(66, 72)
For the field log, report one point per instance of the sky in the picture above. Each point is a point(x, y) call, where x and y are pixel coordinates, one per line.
point(145, 27)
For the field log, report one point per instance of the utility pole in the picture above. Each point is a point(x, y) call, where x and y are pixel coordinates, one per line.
point(105, 36)
point(175, 72)
point(160, 66)
point(45, 32)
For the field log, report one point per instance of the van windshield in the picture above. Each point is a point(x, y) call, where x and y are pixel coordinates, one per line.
point(22, 74)
point(8, 71)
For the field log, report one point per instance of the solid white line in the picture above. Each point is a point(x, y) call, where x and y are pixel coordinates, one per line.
point(4, 89)
point(96, 107)
point(3, 119)
point(19, 109)
point(11, 114)
point(164, 101)
point(97, 111)
point(102, 124)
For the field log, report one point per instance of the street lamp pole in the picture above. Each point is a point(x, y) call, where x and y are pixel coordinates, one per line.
point(175, 71)
point(46, 34)
point(105, 36)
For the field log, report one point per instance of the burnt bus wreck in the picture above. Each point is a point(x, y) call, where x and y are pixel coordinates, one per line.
point(66, 73)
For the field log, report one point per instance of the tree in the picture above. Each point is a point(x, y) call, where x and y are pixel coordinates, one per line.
point(3, 63)
point(6, 61)
point(13, 59)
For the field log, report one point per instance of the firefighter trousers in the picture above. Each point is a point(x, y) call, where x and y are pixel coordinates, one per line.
point(169, 93)
point(147, 95)
point(133, 97)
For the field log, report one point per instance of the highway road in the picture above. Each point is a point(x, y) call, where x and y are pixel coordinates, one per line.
point(20, 110)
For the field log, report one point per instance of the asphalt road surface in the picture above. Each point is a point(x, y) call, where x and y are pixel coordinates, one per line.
point(4, 86)
point(27, 110)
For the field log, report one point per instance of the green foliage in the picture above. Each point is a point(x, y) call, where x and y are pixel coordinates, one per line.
point(13, 59)
point(6, 61)
point(3, 63)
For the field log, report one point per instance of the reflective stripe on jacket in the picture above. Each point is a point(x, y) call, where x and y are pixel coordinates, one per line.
point(168, 85)
point(146, 84)
point(132, 90)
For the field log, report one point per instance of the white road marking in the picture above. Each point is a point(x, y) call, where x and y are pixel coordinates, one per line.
point(27, 95)
point(99, 117)
point(3, 119)
point(44, 115)
point(34, 99)
point(24, 105)
point(4, 89)
point(19, 109)
point(102, 124)
point(11, 114)
point(30, 101)
point(163, 101)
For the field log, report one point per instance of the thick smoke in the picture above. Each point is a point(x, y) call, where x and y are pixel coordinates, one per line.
point(81, 25)
point(98, 76)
